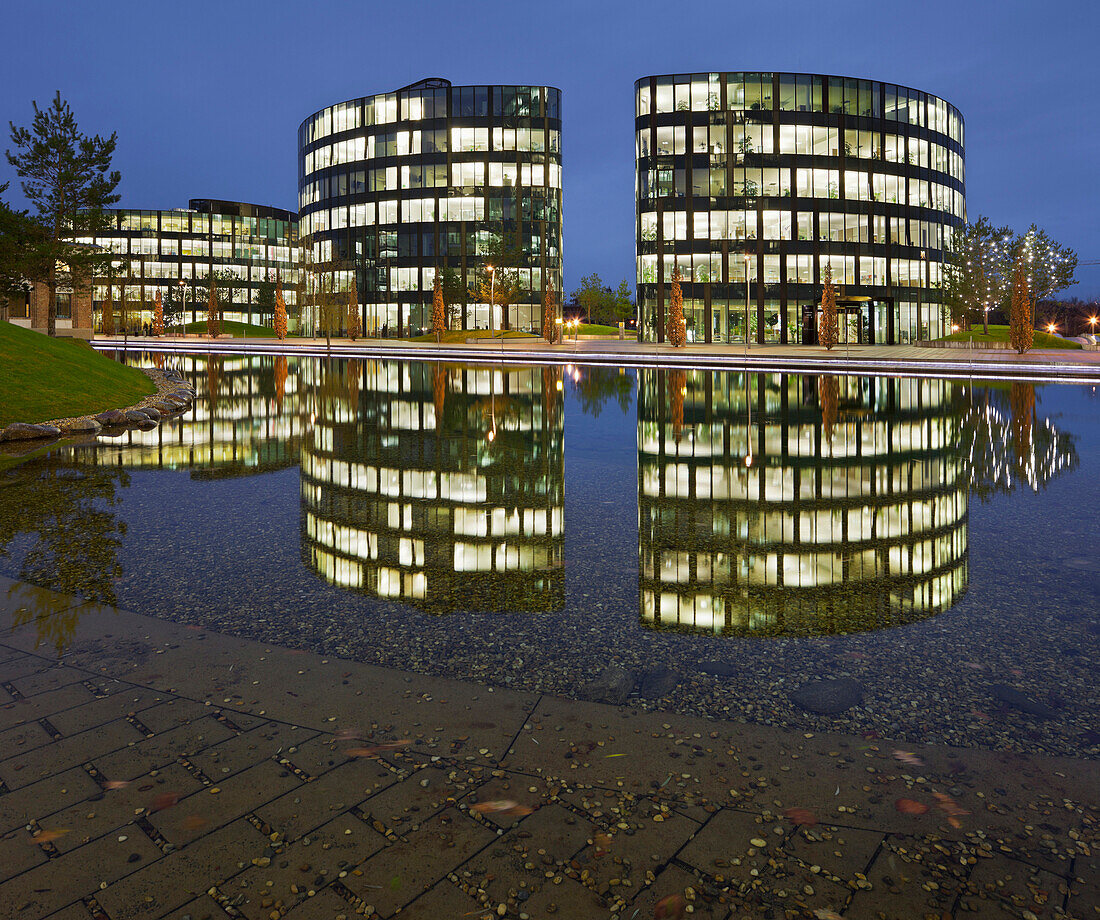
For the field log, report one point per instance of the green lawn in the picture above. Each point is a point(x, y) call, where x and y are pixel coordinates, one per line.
point(598, 329)
point(1000, 334)
point(232, 328)
point(43, 378)
point(459, 336)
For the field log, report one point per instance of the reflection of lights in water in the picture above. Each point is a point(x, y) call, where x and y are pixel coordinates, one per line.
point(414, 506)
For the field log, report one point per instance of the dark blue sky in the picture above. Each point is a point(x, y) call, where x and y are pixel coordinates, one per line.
point(207, 97)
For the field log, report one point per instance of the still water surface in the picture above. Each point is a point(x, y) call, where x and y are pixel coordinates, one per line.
point(914, 556)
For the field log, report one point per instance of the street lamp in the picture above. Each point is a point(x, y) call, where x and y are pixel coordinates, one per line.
point(1051, 327)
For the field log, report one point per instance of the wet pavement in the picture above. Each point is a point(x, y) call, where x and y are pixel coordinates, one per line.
point(159, 770)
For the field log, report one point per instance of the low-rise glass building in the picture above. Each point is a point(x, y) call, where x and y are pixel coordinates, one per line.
point(396, 186)
point(240, 245)
point(751, 184)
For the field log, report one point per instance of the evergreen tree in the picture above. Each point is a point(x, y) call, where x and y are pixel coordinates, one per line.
point(279, 319)
point(158, 315)
point(550, 312)
point(439, 320)
point(1020, 331)
point(827, 334)
point(677, 328)
point(67, 176)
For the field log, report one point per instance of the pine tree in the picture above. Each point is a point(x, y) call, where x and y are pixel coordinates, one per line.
point(158, 315)
point(212, 325)
point(550, 312)
point(1021, 332)
point(354, 330)
point(67, 176)
point(677, 328)
point(439, 318)
point(827, 334)
point(279, 319)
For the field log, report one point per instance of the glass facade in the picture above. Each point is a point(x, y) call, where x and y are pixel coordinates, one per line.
point(750, 184)
point(240, 245)
point(397, 186)
point(789, 505)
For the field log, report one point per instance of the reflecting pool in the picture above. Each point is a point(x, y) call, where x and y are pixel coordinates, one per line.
point(905, 558)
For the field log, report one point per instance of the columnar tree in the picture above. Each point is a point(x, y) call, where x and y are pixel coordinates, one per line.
point(1021, 331)
point(158, 316)
point(677, 328)
point(439, 316)
point(279, 318)
point(67, 177)
point(827, 334)
point(213, 327)
point(354, 330)
point(550, 312)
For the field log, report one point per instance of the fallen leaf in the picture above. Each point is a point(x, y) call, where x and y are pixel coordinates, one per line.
point(909, 759)
point(49, 836)
point(116, 784)
point(949, 807)
point(910, 807)
point(823, 913)
point(500, 807)
point(376, 749)
point(163, 801)
point(801, 816)
point(603, 844)
point(670, 908)
point(194, 823)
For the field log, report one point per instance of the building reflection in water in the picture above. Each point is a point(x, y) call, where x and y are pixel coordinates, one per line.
point(246, 420)
point(772, 505)
point(438, 485)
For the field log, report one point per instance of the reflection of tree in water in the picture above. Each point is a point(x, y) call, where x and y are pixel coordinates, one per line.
point(63, 515)
point(1004, 444)
point(596, 385)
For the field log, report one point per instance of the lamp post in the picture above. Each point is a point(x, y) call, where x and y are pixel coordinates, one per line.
point(747, 257)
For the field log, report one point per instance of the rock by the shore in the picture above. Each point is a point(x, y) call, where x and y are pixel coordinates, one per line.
point(83, 426)
point(829, 696)
point(111, 417)
point(151, 412)
point(658, 682)
point(1017, 699)
point(21, 431)
point(613, 685)
point(134, 417)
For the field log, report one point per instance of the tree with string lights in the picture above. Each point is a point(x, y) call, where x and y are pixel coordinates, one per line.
point(977, 270)
point(1049, 266)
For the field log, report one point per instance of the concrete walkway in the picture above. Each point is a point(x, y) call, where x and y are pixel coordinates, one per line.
point(871, 360)
point(164, 771)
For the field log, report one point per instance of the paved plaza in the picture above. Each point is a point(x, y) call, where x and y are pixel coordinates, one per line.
point(158, 770)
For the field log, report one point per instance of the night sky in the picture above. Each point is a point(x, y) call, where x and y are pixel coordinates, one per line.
point(207, 97)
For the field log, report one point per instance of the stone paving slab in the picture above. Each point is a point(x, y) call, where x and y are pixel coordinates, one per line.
point(460, 800)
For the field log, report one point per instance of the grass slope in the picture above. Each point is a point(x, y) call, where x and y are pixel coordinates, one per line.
point(43, 378)
point(1000, 334)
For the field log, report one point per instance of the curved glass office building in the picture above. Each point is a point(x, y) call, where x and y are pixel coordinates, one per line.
point(752, 183)
point(396, 186)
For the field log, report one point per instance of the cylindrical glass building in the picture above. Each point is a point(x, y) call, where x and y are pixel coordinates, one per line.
point(434, 177)
point(751, 184)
